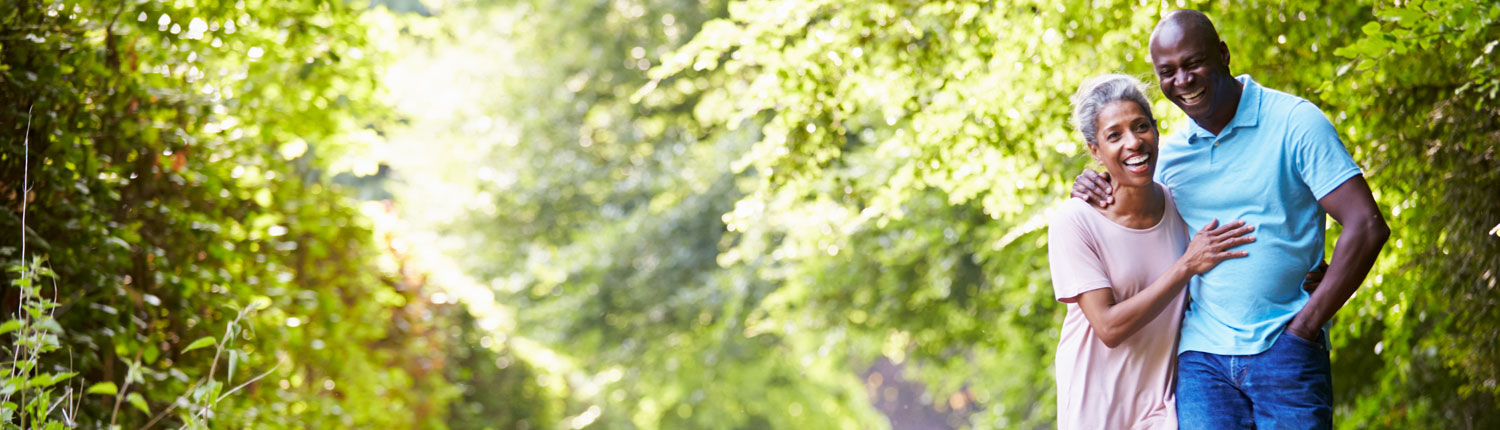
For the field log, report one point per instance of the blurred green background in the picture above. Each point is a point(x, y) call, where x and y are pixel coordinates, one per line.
point(660, 214)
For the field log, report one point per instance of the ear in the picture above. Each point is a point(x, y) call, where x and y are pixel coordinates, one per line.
point(1094, 152)
point(1224, 51)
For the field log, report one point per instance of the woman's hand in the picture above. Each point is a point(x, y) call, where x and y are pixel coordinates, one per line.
point(1209, 245)
point(1093, 187)
point(1315, 277)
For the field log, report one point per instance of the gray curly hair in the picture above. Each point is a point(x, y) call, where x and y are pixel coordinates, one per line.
point(1103, 91)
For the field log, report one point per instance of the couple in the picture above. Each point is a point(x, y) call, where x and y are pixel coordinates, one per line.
point(1213, 331)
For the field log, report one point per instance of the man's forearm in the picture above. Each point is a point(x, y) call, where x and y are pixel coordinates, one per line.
point(1353, 256)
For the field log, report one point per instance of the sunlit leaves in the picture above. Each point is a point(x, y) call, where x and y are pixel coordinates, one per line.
point(105, 388)
point(179, 162)
point(200, 343)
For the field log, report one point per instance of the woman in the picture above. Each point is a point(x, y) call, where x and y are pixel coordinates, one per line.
point(1122, 270)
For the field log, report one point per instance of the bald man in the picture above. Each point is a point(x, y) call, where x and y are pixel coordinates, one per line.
point(1253, 351)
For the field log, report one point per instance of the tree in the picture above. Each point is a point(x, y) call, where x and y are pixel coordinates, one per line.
point(207, 271)
point(598, 220)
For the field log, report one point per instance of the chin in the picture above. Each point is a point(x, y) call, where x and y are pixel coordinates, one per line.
point(1140, 180)
point(1196, 111)
point(1127, 177)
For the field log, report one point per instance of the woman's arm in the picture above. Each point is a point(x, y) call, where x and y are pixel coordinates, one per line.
point(1115, 322)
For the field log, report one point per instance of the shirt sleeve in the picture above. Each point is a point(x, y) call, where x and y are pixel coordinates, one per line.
point(1318, 154)
point(1075, 260)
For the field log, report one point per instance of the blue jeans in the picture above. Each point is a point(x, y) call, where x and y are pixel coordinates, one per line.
point(1289, 386)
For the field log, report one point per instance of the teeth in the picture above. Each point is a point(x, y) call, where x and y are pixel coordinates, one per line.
point(1192, 98)
point(1136, 159)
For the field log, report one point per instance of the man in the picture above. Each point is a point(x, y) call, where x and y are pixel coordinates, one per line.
point(1253, 352)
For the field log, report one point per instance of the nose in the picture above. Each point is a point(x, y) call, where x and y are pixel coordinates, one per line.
point(1184, 79)
point(1132, 142)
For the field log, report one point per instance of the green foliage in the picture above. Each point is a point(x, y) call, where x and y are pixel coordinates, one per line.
point(598, 220)
point(30, 393)
point(210, 274)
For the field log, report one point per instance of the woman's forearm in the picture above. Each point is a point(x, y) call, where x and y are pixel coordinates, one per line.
point(1121, 320)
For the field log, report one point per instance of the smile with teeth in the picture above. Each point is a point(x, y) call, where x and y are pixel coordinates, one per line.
point(1192, 98)
point(1137, 163)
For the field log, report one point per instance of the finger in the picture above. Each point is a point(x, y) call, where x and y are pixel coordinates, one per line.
point(1230, 242)
point(1085, 184)
point(1088, 176)
point(1231, 225)
point(1105, 198)
point(1103, 194)
point(1088, 186)
point(1236, 232)
point(1210, 226)
point(1099, 186)
point(1315, 276)
point(1237, 228)
point(1231, 254)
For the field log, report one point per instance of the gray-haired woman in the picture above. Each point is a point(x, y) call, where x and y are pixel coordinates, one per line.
point(1121, 271)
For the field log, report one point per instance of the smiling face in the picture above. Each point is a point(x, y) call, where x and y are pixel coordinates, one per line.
point(1192, 67)
point(1126, 146)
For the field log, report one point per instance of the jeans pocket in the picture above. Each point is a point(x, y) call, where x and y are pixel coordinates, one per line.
point(1314, 344)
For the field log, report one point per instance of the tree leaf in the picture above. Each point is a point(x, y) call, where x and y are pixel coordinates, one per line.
point(10, 326)
point(105, 388)
point(232, 360)
point(200, 343)
point(139, 402)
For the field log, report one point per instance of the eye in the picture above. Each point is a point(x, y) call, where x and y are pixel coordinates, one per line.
point(1112, 136)
point(1142, 127)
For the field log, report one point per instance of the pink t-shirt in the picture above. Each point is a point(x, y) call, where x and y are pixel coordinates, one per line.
point(1130, 385)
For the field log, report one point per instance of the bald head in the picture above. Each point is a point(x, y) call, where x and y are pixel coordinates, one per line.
point(1188, 23)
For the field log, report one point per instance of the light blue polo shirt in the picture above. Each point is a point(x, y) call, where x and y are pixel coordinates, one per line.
point(1269, 167)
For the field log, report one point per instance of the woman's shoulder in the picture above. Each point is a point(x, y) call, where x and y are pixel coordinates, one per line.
point(1071, 214)
point(1072, 209)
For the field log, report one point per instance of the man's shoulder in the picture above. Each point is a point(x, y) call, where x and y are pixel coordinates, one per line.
point(1292, 109)
point(1279, 96)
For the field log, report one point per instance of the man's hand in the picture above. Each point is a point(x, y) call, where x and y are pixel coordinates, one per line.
point(1315, 277)
point(1093, 187)
point(1365, 233)
point(1310, 336)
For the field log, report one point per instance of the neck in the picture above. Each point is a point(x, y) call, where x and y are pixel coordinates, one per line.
point(1136, 206)
point(1218, 119)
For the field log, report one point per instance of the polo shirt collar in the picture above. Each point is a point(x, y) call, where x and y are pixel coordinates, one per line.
point(1247, 114)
